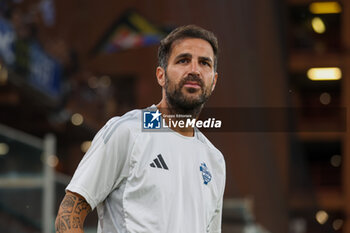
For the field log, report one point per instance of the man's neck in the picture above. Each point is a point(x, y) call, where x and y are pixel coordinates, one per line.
point(173, 117)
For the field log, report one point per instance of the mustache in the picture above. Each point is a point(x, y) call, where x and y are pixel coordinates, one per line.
point(192, 78)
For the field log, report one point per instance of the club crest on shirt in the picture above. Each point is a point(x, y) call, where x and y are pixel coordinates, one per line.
point(205, 173)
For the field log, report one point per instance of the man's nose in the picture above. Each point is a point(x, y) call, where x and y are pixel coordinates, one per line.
point(195, 68)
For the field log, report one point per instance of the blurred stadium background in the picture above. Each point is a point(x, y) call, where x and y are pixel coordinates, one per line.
point(66, 67)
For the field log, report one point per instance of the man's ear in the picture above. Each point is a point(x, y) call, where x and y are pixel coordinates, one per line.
point(160, 73)
point(214, 81)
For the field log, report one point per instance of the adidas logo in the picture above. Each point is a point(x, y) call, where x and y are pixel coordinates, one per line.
point(159, 162)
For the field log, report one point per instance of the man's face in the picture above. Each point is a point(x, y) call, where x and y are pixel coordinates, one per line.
point(190, 77)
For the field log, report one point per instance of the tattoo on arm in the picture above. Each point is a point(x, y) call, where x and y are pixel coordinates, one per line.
point(81, 206)
point(68, 203)
point(77, 223)
point(72, 213)
point(66, 219)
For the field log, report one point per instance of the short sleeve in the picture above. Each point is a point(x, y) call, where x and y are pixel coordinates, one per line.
point(105, 164)
point(215, 223)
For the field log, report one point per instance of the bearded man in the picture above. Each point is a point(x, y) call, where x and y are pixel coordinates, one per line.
point(150, 181)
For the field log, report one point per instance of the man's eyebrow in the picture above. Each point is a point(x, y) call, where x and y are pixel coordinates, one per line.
point(183, 55)
point(188, 55)
point(207, 59)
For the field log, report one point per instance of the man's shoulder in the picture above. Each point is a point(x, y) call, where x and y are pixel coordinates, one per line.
point(202, 138)
point(131, 118)
point(128, 123)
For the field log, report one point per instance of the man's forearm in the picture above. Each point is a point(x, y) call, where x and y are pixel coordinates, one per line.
point(71, 214)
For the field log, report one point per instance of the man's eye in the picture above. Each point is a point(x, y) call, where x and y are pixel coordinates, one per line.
point(205, 63)
point(182, 61)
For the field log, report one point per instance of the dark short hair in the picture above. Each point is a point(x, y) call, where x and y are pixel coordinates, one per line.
point(189, 31)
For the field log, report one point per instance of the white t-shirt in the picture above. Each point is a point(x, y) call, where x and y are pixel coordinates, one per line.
point(151, 182)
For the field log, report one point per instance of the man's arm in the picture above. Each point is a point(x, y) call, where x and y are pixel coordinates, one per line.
point(71, 214)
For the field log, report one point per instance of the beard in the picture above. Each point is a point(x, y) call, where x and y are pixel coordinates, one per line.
point(180, 102)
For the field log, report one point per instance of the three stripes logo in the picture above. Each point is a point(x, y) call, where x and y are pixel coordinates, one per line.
point(159, 163)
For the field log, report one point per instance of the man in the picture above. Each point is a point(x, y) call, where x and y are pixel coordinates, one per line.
point(155, 182)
